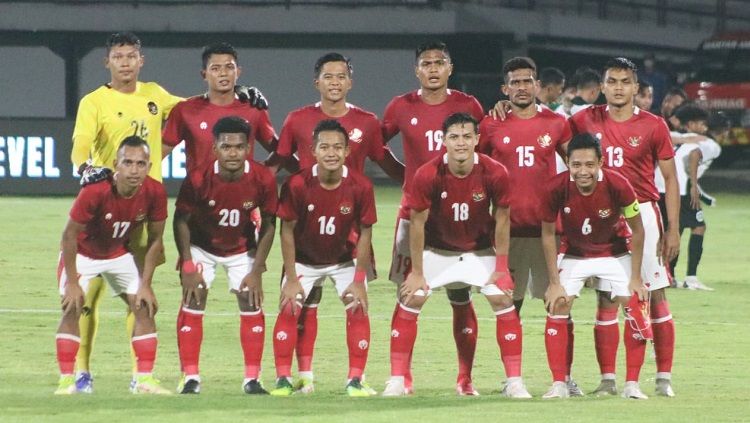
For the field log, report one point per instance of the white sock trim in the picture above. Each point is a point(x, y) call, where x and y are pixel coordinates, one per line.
point(142, 337)
point(191, 311)
point(608, 376)
point(69, 337)
point(664, 375)
point(666, 318)
point(310, 306)
point(607, 322)
point(505, 311)
point(558, 316)
point(409, 309)
point(251, 313)
point(460, 303)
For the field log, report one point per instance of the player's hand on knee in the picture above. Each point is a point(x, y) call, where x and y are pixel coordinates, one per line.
point(93, 174)
point(252, 96)
point(413, 283)
point(191, 283)
point(357, 293)
point(145, 298)
point(252, 287)
point(73, 299)
point(554, 293)
point(292, 294)
point(502, 280)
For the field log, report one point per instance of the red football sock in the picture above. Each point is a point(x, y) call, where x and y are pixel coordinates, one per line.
point(465, 334)
point(189, 339)
point(556, 340)
point(144, 347)
point(571, 344)
point(252, 339)
point(284, 340)
point(67, 348)
point(635, 351)
point(307, 332)
point(510, 340)
point(358, 341)
point(606, 339)
point(663, 325)
point(403, 336)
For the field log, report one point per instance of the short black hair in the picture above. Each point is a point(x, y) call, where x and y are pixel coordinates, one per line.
point(676, 91)
point(134, 141)
point(642, 87)
point(718, 122)
point(621, 63)
point(217, 48)
point(122, 39)
point(432, 45)
point(332, 57)
point(329, 125)
point(551, 76)
point(517, 63)
point(583, 141)
point(587, 77)
point(460, 119)
point(690, 112)
point(231, 125)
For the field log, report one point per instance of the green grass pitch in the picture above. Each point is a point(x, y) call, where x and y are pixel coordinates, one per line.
point(710, 371)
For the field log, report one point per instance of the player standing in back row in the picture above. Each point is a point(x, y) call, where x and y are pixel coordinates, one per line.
point(634, 142)
point(418, 116)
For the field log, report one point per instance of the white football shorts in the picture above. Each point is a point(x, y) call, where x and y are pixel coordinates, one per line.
point(120, 273)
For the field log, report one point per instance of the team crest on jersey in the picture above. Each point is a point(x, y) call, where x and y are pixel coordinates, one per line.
point(355, 135)
point(506, 140)
point(544, 140)
point(310, 207)
point(345, 208)
point(152, 108)
point(203, 125)
point(414, 121)
point(141, 216)
point(605, 213)
point(247, 205)
point(634, 141)
point(566, 210)
point(119, 114)
point(211, 203)
point(443, 195)
point(477, 196)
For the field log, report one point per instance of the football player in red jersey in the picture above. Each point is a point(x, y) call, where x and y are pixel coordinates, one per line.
point(634, 142)
point(319, 207)
point(95, 242)
point(591, 202)
point(526, 142)
point(418, 116)
point(459, 210)
point(213, 227)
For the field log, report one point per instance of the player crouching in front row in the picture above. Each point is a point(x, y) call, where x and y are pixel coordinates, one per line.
point(319, 207)
point(459, 209)
point(591, 202)
point(95, 243)
point(213, 227)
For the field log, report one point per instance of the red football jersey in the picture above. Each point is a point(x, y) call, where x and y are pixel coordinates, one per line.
point(110, 218)
point(460, 217)
point(526, 147)
point(632, 148)
point(193, 121)
point(365, 137)
point(220, 211)
point(591, 223)
point(325, 218)
point(421, 128)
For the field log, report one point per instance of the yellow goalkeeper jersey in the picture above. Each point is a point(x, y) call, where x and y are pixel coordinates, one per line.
point(107, 116)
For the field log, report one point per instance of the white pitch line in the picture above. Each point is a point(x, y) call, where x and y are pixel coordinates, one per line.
point(341, 316)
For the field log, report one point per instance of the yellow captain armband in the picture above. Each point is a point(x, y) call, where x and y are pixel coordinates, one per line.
point(631, 210)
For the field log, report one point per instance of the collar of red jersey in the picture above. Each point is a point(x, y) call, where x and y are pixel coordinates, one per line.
point(538, 109)
point(343, 175)
point(636, 109)
point(476, 158)
point(348, 105)
point(448, 91)
point(216, 167)
point(599, 179)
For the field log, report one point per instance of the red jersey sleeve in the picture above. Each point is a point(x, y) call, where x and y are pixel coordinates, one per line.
point(286, 139)
point(662, 141)
point(419, 197)
point(390, 120)
point(263, 128)
point(287, 209)
point(500, 183)
point(476, 109)
point(171, 135)
point(368, 214)
point(375, 138)
point(157, 202)
point(270, 197)
point(84, 207)
point(566, 133)
point(553, 198)
point(485, 143)
point(576, 123)
point(186, 199)
point(624, 192)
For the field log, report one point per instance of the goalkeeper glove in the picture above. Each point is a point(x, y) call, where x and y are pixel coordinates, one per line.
point(93, 174)
point(251, 95)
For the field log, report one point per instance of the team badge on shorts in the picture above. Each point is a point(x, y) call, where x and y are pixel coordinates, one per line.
point(247, 205)
point(544, 140)
point(477, 196)
point(345, 209)
point(634, 141)
point(604, 213)
point(355, 135)
point(152, 108)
